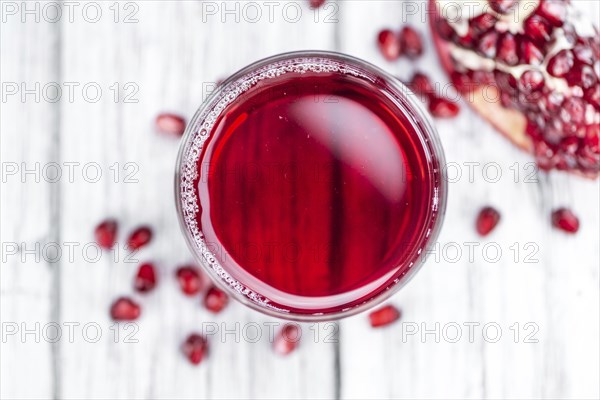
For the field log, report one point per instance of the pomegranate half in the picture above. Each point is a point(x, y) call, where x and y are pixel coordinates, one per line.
point(532, 69)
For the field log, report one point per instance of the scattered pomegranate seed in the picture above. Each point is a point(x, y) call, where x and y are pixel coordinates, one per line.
point(389, 44)
point(195, 348)
point(564, 219)
point(440, 107)
point(384, 316)
point(171, 124)
point(145, 280)
point(410, 42)
point(106, 233)
point(316, 3)
point(190, 280)
point(139, 237)
point(503, 6)
point(287, 339)
point(487, 220)
point(125, 309)
point(420, 84)
point(215, 300)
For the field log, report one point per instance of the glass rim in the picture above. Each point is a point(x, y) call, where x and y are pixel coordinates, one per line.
point(419, 118)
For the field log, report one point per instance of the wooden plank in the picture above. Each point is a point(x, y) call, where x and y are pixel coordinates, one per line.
point(29, 123)
point(556, 293)
point(169, 53)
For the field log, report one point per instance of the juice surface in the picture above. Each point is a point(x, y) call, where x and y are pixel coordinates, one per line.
point(313, 190)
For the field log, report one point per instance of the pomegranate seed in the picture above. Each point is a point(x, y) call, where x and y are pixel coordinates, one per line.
point(466, 41)
point(444, 29)
point(569, 145)
point(316, 3)
point(533, 130)
point(573, 111)
point(506, 82)
point(581, 75)
point(592, 95)
point(487, 44)
point(591, 139)
point(215, 300)
point(530, 53)
point(507, 49)
point(195, 348)
point(487, 220)
point(588, 160)
point(544, 156)
point(529, 102)
point(106, 233)
point(550, 104)
point(583, 51)
point(411, 43)
point(145, 280)
point(190, 280)
point(125, 309)
point(561, 63)
point(384, 316)
point(420, 84)
point(531, 81)
point(462, 82)
point(482, 23)
point(537, 29)
point(570, 33)
point(503, 6)
point(139, 237)
point(565, 220)
point(554, 11)
point(171, 124)
point(287, 339)
point(443, 108)
point(389, 44)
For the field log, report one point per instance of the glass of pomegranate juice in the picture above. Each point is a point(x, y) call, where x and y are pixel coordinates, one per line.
point(309, 185)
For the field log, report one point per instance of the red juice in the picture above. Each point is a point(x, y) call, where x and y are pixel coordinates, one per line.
point(315, 191)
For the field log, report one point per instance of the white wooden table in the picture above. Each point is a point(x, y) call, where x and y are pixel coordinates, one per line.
point(161, 59)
